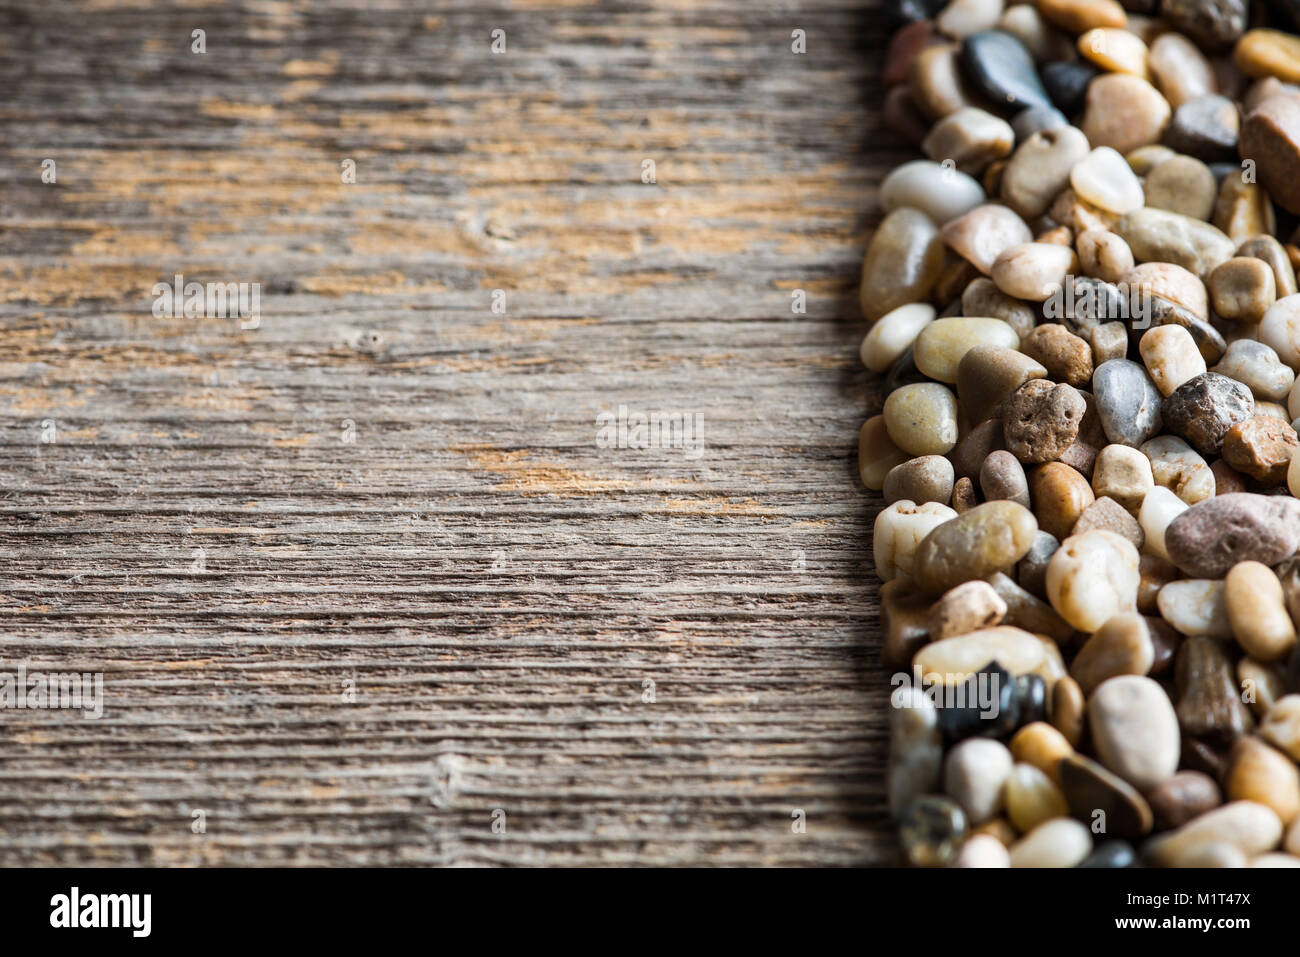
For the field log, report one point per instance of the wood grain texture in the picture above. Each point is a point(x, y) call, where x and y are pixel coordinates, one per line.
point(498, 586)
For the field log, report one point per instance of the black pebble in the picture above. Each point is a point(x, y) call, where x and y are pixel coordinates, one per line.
point(1031, 699)
point(988, 719)
point(1067, 84)
point(1002, 68)
point(899, 12)
point(1113, 853)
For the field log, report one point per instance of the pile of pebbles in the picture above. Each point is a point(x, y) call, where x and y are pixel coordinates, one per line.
point(1084, 307)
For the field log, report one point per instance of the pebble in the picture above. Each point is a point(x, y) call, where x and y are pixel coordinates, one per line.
point(1159, 509)
point(1031, 797)
point(1257, 367)
point(942, 344)
point(1025, 23)
point(983, 298)
point(898, 532)
point(902, 116)
point(1261, 447)
point(968, 607)
point(1281, 727)
point(903, 47)
point(1181, 71)
point(1293, 474)
point(1116, 51)
point(1026, 611)
point(1041, 745)
point(1243, 211)
point(1156, 573)
point(1031, 572)
point(902, 264)
point(1066, 82)
point(1124, 474)
point(1250, 827)
point(1079, 16)
point(1002, 68)
point(1040, 168)
point(983, 850)
point(1128, 402)
point(985, 705)
point(1114, 853)
point(1210, 854)
point(1176, 466)
point(1124, 112)
point(1206, 127)
point(1066, 357)
point(1067, 710)
point(904, 620)
point(975, 446)
point(1157, 235)
point(1171, 357)
point(931, 830)
point(1134, 729)
point(974, 771)
point(988, 538)
point(922, 418)
point(953, 660)
point(1261, 685)
point(1195, 607)
point(1094, 794)
point(1270, 135)
point(877, 453)
point(1041, 419)
point(1269, 53)
point(1093, 577)
point(1159, 311)
point(1108, 515)
point(1031, 698)
point(960, 18)
point(1171, 282)
point(1109, 340)
point(1122, 646)
point(893, 334)
point(915, 747)
point(1203, 409)
point(1144, 159)
point(1280, 330)
point(1036, 119)
point(1104, 179)
point(928, 478)
point(1033, 271)
point(1060, 494)
point(1003, 477)
point(935, 81)
point(1270, 251)
point(1212, 536)
point(1182, 185)
point(1104, 255)
point(983, 234)
point(1060, 842)
point(942, 193)
point(1257, 772)
point(988, 374)
point(1183, 797)
point(1209, 702)
point(1214, 24)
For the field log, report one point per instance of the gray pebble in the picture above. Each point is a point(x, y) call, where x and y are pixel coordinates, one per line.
point(1204, 408)
point(1128, 402)
point(1036, 119)
point(1031, 572)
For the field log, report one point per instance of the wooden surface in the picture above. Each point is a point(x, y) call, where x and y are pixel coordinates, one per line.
point(497, 585)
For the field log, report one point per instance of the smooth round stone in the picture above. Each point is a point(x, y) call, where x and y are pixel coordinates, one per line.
point(1159, 311)
point(1250, 827)
point(1270, 135)
point(973, 774)
point(1031, 572)
point(1113, 853)
point(1123, 474)
point(1160, 507)
point(1041, 745)
point(1094, 794)
point(1031, 797)
point(1265, 684)
point(877, 453)
point(902, 264)
point(1183, 797)
point(1116, 51)
point(1041, 420)
point(988, 538)
point(985, 705)
point(1177, 467)
point(1257, 772)
point(1066, 82)
point(1280, 330)
point(1036, 119)
point(1104, 255)
point(1173, 283)
point(1183, 185)
point(1104, 178)
point(1243, 289)
point(1262, 447)
point(922, 418)
point(928, 478)
point(1060, 842)
point(1028, 612)
point(1040, 168)
point(1128, 402)
point(1122, 646)
point(1002, 68)
point(1079, 16)
point(898, 532)
point(1272, 252)
point(915, 747)
point(1003, 477)
point(1281, 726)
point(1171, 357)
point(1093, 577)
point(941, 193)
point(1212, 536)
point(942, 344)
point(961, 18)
point(1293, 474)
point(983, 234)
point(951, 661)
point(1144, 159)
point(1206, 127)
point(1156, 235)
point(974, 448)
point(1067, 710)
point(983, 850)
point(983, 298)
point(1211, 854)
point(931, 830)
point(1258, 367)
point(1060, 495)
point(1124, 112)
point(1181, 71)
point(1134, 730)
point(987, 375)
point(1033, 271)
point(1209, 702)
point(1026, 24)
point(1204, 408)
point(971, 138)
point(893, 334)
point(935, 84)
point(1067, 357)
point(1109, 340)
point(1262, 53)
point(1213, 24)
point(968, 607)
point(1243, 211)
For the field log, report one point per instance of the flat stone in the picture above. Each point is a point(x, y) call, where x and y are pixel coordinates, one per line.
point(1089, 788)
point(1185, 796)
point(1093, 577)
point(1124, 112)
point(1134, 730)
point(1040, 168)
point(922, 418)
point(1213, 24)
point(902, 264)
point(1204, 408)
point(1209, 702)
point(1178, 467)
point(1002, 68)
point(1206, 127)
point(1128, 402)
point(928, 478)
point(1261, 447)
point(942, 344)
point(1003, 477)
point(1210, 537)
point(1156, 235)
point(1270, 135)
point(1041, 419)
point(988, 538)
point(1252, 828)
point(984, 233)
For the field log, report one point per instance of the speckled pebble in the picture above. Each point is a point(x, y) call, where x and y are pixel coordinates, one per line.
point(928, 478)
point(1128, 402)
point(1203, 409)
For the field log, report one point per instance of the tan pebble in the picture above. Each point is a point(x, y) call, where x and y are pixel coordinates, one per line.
point(1182, 798)
point(1105, 180)
point(1116, 50)
point(922, 418)
point(988, 374)
point(983, 298)
point(1033, 271)
point(877, 453)
point(982, 850)
point(1206, 855)
point(1109, 340)
point(1073, 211)
point(898, 531)
point(1065, 356)
point(1124, 112)
point(1124, 474)
point(1181, 71)
point(1257, 612)
point(971, 138)
point(1261, 447)
point(1108, 515)
point(1079, 16)
point(1280, 329)
point(1039, 170)
point(935, 81)
point(1242, 209)
point(989, 538)
point(928, 478)
point(983, 234)
point(951, 660)
point(1171, 356)
point(1274, 253)
point(903, 262)
point(1057, 236)
point(963, 495)
point(1178, 467)
point(1146, 158)
point(1251, 827)
point(1093, 577)
point(1227, 479)
point(1173, 283)
point(1195, 607)
point(1182, 184)
point(1261, 684)
point(893, 334)
point(1159, 509)
point(966, 608)
point(1281, 726)
point(1060, 842)
point(1258, 772)
point(941, 345)
point(1104, 255)
point(1041, 745)
point(1003, 477)
point(1031, 797)
point(1122, 646)
point(1045, 43)
point(1041, 420)
point(1067, 710)
point(1242, 289)
point(1059, 495)
point(1269, 53)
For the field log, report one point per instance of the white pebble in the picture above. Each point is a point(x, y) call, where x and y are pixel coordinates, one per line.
point(1159, 508)
point(898, 531)
point(1105, 179)
point(893, 334)
point(941, 192)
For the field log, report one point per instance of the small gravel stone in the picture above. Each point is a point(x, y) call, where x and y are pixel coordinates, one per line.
point(1128, 402)
point(966, 608)
point(1060, 495)
point(1176, 466)
point(1040, 168)
point(1031, 572)
point(1261, 447)
point(1116, 51)
point(928, 478)
point(1033, 271)
point(983, 850)
point(985, 705)
point(1090, 788)
point(1270, 135)
point(1269, 53)
point(1257, 772)
point(935, 82)
point(1041, 419)
point(983, 234)
point(1114, 853)
point(1109, 515)
point(982, 297)
point(1214, 24)
point(1066, 82)
point(931, 830)
point(1003, 477)
point(1026, 611)
point(1109, 341)
point(1060, 842)
point(1079, 16)
point(1242, 288)
point(1171, 282)
point(1184, 185)
point(1243, 210)
point(955, 659)
point(1183, 797)
point(1281, 727)
point(1093, 577)
point(1195, 607)
point(1272, 252)
point(1066, 357)
point(1206, 127)
point(922, 418)
point(1031, 797)
point(1181, 71)
point(988, 538)
point(1280, 330)
point(1067, 710)
point(973, 774)
point(1210, 537)
point(975, 447)
point(1209, 702)
point(902, 264)
point(1134, 730)
point(1122, 646)
point(1159, 311)
point(877, 453)
point(942, 193)
point(1124, 474)
point(1250, 827)
point(1036, 119)
point(1124, 112)
point(941, 345)
point(898, 531)
point(1159, 509)
point(961, 18)
point(1104, 179)
point(1203, 409)
point(1257, 366)
point(893, 334)
point(1171, 357)
point(1041, 745)
point(1002, 68)
point(1104, 255)
point(1156, 235)
point(904, 622)
point(988, 374)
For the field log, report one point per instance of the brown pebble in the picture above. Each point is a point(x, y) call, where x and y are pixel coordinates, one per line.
point(927, 478)
point(904, 618)
point(987, 375)
point(1041, 745)
point(1186, 795)
point(963, 495)
point(1081, 457)
point(1258, 772)
point(1090, 788)
point(1164, 644)
point(1270, 135)
point(902, 264)
point(903, 47)
point(1155, 574)
point(1068, 709)
point(1080, 16)
point(901, 115)
point(1040, 420)
point(1209, 705)
point(1124, 112)
point(1002, 476)
point(1027, 611)
point(1059, 495)
point(1274, 254)
point(968, 607)
point(983, 298)
point(975, 446)
point(1122, 646)
point(1065, 356)
point(935, 81)
point(1261, 447)
point(1106, 513)
point(1227, 479)
point(1242, 289)
point(1242, 209)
